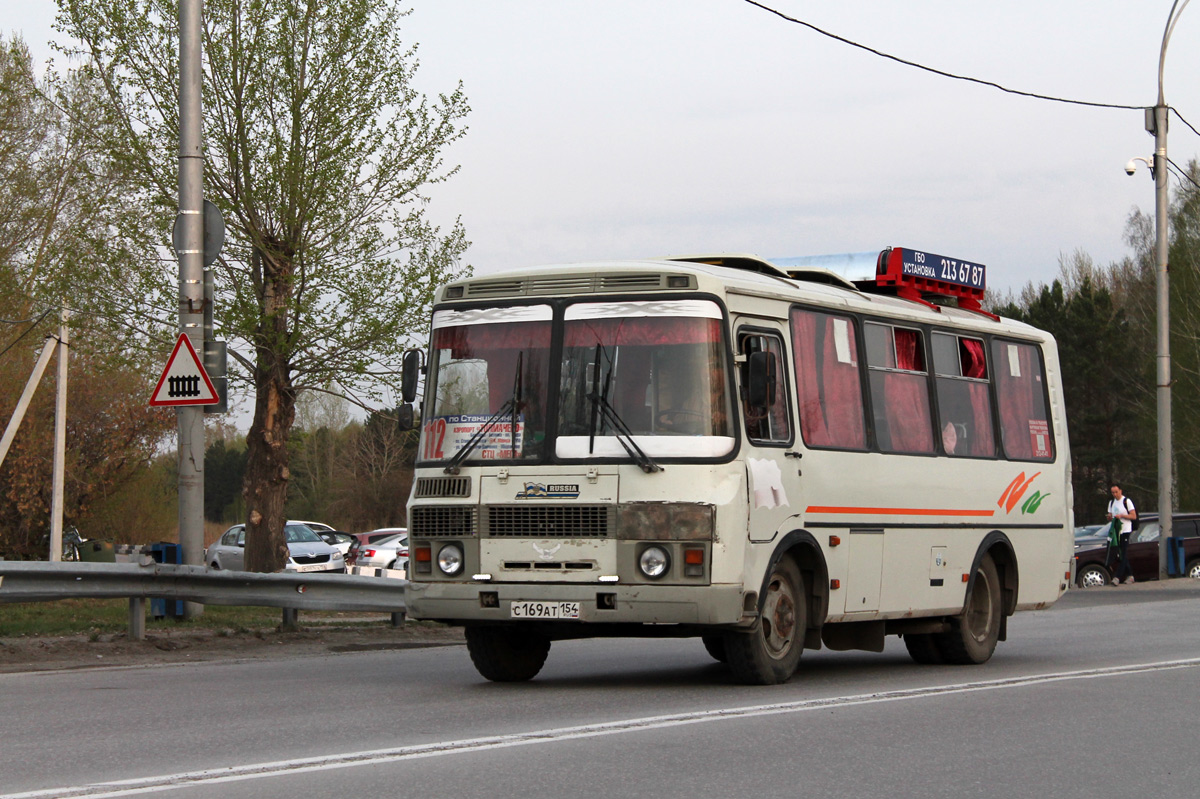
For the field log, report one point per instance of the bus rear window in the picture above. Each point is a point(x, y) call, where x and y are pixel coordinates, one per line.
point(1021, 391)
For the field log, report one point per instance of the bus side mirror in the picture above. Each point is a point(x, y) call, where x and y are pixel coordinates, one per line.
point(760, 380)
point(404, 417)
point(410, 371)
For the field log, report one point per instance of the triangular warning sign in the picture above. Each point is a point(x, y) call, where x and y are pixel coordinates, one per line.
point(184, 381)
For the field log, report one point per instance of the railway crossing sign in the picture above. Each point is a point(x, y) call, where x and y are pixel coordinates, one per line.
point(184, 381)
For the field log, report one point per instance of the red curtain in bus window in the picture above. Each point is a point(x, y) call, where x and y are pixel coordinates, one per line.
point(828, 383)
point(498, 345)
point(907, 397)
point(983, 444)
point(974, 365)
point(1023, 421)
point(644, 331)
point(464, 340)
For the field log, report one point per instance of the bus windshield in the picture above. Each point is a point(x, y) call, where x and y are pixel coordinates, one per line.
point(636, 379)
point(659, 367)
point(489, 374)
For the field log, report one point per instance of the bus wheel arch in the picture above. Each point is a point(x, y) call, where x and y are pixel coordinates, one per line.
point(990, 600)
point(802, 547)
point(768, 651)
point(997, 545)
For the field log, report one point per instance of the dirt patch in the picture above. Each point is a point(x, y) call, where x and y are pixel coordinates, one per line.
point(193, 646)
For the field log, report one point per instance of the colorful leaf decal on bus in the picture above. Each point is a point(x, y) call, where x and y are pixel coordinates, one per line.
point(1016, 489)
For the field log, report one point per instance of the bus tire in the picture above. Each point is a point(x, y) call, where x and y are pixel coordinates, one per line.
point(505, 654)
point(972, 637)
point(923, 648)
point(769, 653)
point(715, 646)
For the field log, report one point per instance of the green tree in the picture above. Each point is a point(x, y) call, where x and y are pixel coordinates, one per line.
point(67, 214)
point(1137, 276)
point(224, 473)
point(318, 151)
point(1099, 361)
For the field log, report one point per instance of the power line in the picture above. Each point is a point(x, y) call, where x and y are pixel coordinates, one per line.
point(1181, 173)
point(28, 330)
point(1184, 121)
point(940, 72)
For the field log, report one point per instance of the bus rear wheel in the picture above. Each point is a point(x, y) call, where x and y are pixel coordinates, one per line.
point(506, 654)
point(769, 653)
point(923, 648)
point(972, 637)
point(715, 646)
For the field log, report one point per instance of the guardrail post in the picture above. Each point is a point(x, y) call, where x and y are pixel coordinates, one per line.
point(137, 618)
point(289, 624)
point(398, 619)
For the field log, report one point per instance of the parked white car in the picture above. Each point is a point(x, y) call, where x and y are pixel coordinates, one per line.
point(330, 536)
point(307, 552)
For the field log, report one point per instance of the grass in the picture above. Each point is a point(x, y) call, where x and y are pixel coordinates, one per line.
point(95, 617)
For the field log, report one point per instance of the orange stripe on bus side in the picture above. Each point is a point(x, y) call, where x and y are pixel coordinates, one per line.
point(899, 511)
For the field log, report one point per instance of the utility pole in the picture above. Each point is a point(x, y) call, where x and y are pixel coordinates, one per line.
point(1162, 289)
point(191, 281)
point(1156, 123)
point(60, 442)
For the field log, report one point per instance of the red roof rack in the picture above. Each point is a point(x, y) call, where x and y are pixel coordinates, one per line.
point(915, 274)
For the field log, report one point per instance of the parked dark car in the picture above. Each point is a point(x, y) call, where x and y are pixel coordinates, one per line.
point(1095, 564)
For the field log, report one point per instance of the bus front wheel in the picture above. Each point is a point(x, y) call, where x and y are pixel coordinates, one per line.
point(506, 654)
point(769, 653)
point(972, 637)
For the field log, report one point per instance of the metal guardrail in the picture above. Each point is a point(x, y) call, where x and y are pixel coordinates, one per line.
point(34, 581)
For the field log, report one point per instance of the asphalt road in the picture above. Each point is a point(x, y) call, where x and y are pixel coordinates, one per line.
point(1090, 697)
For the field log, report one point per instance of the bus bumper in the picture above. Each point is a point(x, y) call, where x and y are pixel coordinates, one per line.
point(646, 604)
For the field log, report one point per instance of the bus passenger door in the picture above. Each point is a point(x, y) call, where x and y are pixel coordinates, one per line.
point(772, 464)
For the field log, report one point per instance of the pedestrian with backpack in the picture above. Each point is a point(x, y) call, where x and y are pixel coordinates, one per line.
point(1121, 508)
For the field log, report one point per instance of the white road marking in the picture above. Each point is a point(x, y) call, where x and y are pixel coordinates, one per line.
point(188, 779)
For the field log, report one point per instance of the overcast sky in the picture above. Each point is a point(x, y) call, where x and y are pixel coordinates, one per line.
point(630, 128)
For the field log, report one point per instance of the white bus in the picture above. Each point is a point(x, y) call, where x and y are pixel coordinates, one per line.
point(769, 459)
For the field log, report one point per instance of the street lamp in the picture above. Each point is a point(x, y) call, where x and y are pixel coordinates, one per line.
point(1156, 124)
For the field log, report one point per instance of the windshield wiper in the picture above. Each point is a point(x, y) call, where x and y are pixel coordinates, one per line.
point(602, 410)
point(511, 406)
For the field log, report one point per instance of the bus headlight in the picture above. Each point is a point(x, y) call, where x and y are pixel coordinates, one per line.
point(450, 559)
point(654, 562)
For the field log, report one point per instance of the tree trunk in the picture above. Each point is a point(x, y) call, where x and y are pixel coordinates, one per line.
point(265, 486)
point(267, 473)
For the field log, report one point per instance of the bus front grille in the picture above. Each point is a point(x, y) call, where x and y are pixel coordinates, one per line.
point(440, 521)
point(548, 521)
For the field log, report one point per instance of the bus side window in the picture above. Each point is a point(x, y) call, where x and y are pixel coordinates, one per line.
point(964, 405)
point(767, 421)
point(1021, 392)
point(899, 388)
point(828, 382)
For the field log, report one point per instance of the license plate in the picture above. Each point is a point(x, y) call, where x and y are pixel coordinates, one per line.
point(544, 610)
point(311, 567)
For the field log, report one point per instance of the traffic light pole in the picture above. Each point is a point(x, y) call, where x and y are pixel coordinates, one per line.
point(191, 281)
